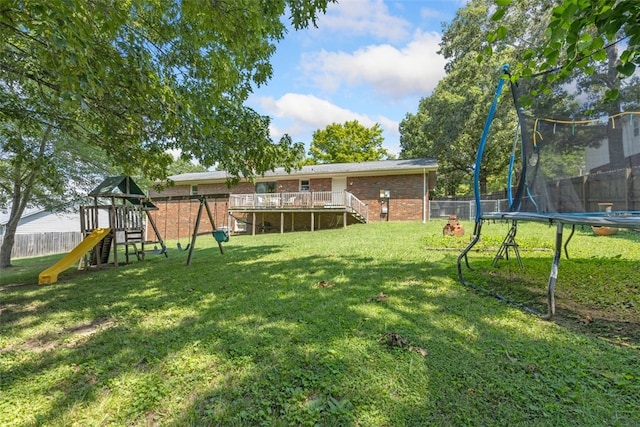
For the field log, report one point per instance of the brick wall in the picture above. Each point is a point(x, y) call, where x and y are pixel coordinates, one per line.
point(176, 219)
point(407, 196)
point(320, 184)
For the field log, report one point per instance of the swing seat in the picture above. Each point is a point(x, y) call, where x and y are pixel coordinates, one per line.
point(161, 251)
point(221, 236)
point(186, 248)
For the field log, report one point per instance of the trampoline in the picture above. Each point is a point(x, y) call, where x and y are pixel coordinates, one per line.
point(580, 169)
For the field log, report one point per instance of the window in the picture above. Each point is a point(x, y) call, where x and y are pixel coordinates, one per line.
point(304, 185)
point(194, 190)
point(265, 187)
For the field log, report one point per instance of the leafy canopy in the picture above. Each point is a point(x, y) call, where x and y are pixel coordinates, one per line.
point(577, 34)
point(449, 122)
point(89, 84)
point(348, 142)
point(137, 78)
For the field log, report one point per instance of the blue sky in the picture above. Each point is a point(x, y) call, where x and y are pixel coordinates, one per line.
point(368, 60)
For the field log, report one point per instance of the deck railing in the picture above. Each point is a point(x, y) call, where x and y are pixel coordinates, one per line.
point(299, 201)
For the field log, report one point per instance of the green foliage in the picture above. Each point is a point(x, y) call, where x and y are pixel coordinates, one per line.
point(449, 122)
point(180, 165)
point(85, 86)
point(288, 329)
point(578, 31)
point(41, 166)
point(137, 78)
point(346, 143)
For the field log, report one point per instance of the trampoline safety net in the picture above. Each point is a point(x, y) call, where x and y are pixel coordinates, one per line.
point(570, 154)
point(575, 159)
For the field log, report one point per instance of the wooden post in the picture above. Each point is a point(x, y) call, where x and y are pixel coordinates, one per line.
point(628, 189)
point(253, 224)
point(195, 233)
point(213, 225)
point(313, 217)
point(585, 192)
point(281, 222)
point(114, 231)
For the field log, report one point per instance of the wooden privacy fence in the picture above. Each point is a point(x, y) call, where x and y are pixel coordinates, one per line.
point(38, 244)
point(620, 187)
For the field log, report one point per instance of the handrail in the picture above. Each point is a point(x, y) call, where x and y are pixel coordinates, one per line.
point(300, 200)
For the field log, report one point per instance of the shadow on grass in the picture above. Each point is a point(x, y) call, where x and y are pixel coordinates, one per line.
point(243, 340)
point(598, 296)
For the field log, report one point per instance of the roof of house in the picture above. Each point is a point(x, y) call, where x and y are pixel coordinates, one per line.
point(380, 167)
point(5, 214)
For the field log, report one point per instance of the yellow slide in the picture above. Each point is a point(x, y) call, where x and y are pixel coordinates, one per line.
point(50, 275)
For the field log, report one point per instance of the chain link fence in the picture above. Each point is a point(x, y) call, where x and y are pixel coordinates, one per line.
point(464, 209)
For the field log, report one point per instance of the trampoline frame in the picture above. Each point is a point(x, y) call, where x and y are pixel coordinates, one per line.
point(630, 220)
point(618, 219)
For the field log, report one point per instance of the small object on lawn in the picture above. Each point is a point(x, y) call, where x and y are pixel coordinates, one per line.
point(393, 339)
point(453, 227)
point(379, 298)
point(323, 284)
point(604, 231)
point(585, 319)
point(421, 351)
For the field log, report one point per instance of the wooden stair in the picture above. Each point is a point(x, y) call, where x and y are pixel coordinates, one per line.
point(101, 251)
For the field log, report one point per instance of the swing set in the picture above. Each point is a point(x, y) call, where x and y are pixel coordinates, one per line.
point(220, 235)
point(179, 245)
point(162, 250)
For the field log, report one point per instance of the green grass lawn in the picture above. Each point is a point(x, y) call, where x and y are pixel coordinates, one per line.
point(366, 326)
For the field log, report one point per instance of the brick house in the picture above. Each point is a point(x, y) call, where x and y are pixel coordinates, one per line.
point(314, 197)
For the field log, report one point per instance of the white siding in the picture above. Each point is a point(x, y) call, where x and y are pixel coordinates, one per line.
point(43, 222)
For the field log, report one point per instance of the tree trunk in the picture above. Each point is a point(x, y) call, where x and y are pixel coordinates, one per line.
point(7, 243)
point(614, 133)
point(616, 147)
point(18, 205)
point(22, 191)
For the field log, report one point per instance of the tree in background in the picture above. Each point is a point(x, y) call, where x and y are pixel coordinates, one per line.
point(51, 172)
point(181, 165)
point(449, 123)
point(576, 33)
point(346, 143)
point(595, 43)
point(131, 81)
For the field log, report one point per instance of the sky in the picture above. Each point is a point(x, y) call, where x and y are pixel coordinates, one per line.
point(367, 60)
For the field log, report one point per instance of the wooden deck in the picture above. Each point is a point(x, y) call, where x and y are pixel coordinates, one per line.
point(315, 203)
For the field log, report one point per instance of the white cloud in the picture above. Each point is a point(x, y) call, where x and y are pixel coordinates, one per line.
point(299, 115)
point(364, 18)
point(393, 72)
point(309, 111)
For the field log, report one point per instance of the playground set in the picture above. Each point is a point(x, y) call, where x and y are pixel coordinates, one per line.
point(126, 221)
point(562, 172)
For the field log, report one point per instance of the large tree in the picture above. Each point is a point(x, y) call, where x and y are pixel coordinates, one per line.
point(594, 42)
point(577, 32)
point(348, 142)
point(42, 166)
point(449, 122)
point(134, 79)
